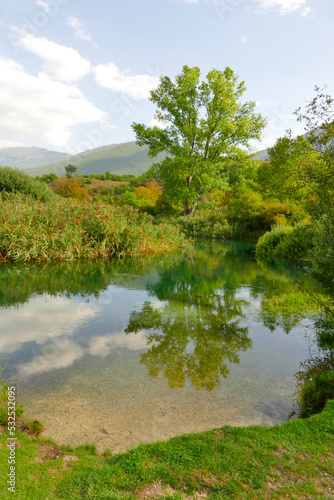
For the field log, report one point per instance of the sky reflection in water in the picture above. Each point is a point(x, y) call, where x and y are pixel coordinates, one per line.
point(193, 320)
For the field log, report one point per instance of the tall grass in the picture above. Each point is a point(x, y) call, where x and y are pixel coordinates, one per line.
point(67, 229)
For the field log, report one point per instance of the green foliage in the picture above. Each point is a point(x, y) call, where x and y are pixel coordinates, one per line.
point(67, 230)
point(47, 178)
point(322, 254)
point(315, 385)
point(19, 409)
point(15, 181)
point(293, 170)
point(249, 211)
point(207, 224)
point(268, 243)
point(286, 241)
point(318, 117)
point(207, 129)
point(70, 170)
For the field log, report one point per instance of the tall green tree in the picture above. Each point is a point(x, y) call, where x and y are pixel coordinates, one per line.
point(70, 170)
point(205, 131)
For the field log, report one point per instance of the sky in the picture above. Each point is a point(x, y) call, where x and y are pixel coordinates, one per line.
point(74, 75)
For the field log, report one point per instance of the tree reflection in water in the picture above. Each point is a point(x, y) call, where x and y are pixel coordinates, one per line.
point(195, 330)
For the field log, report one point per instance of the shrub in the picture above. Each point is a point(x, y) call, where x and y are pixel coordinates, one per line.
point(297, 243)
point(34, 427)
point(286, 241)
point(206, 225)
point(268, 243)
point(15, 181)
point(150, 193)
point(69, 188)
point(315, 385)
point(250, 212)
point(322, 253)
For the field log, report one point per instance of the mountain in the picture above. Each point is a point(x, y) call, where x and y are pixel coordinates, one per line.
point(29, 157)
point(261, 155)
point(125, 158)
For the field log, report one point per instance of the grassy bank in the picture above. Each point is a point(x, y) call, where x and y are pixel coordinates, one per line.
point(294, 460)
point(60, 230)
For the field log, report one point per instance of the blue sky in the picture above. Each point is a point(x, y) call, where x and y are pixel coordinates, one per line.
point(75, 74)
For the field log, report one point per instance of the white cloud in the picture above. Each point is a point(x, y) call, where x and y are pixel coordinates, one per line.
point(43, 322)
point(45, 6)
point(52, 359)
point(244, 39)
point(79, 30)
point(37, 107)
point(61, 62)
point(306, 11)
point(136, 86)
point(102, 345)
point(283, 6)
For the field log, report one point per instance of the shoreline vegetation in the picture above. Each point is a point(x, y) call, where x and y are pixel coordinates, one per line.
point(291, 460)
point(36, 231)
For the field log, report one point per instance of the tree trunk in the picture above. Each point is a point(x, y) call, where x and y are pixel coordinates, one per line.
point(189, 210)
point(193, 208)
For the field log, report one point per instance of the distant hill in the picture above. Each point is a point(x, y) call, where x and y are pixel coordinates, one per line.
point(29, 157)
point(261, 155)
point(125, 158)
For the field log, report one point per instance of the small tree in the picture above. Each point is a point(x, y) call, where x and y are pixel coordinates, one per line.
point(70, 170)
point(205, 132)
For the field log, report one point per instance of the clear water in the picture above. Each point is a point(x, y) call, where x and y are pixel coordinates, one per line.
point(119, 353)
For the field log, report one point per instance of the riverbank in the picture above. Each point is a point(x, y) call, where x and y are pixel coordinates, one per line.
point(293, 460)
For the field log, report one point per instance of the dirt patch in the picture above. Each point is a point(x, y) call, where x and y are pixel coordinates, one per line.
point(16, 443)
point(155, 491)
point(52, 452)
point(206, 482)
point(48, 452)
point(279, 452)
point(219, 434)
point(158, 490)
point(69, 459)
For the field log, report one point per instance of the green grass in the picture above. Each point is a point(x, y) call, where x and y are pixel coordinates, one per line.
point(294, 460)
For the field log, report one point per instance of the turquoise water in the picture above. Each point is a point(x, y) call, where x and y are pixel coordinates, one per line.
point(120, 353)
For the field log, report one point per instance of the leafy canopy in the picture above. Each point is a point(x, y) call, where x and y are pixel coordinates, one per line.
point(205, 131)
point(70, 170)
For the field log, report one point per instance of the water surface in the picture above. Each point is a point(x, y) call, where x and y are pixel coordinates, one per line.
point(119, 353)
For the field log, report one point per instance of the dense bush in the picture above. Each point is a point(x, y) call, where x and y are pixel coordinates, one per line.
point(248, 211)
point(286, 241)
point(69, 188)
point(15, 181)
point(322, 254)
point(268, 243)
point(206, 224)
point(315, 385)
point(67, 230)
